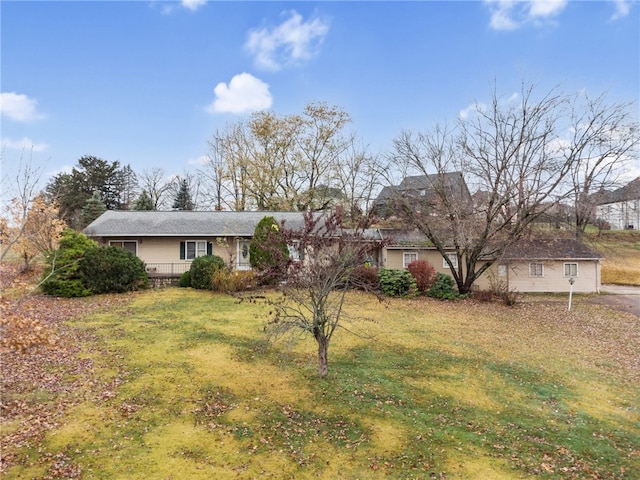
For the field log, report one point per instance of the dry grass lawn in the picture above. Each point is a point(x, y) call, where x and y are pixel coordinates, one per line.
point(180, 383)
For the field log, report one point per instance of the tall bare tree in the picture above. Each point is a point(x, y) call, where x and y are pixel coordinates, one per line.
point(509, 151)
point(291, 162)
point(603, 140)
point(157, 186)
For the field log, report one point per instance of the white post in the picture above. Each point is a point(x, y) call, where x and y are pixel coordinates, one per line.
point(571, 282)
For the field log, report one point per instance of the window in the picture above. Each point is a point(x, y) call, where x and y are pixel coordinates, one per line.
point(408, 257)
point(192, 249)
point(130, 245)
point(294, 252)
point(502, 270)
point(570, 269)
point(536, 270)
point(454, 260)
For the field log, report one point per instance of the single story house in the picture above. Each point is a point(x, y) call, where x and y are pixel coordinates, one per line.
point(537, 265)
point(168, 241)
point(550, 265)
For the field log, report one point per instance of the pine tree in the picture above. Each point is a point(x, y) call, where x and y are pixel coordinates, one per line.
point(92, 209)
point(143, 202)
point(183, 198)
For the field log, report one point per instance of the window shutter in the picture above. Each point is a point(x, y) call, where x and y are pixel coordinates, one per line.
point(182, 251)
point(209, 248)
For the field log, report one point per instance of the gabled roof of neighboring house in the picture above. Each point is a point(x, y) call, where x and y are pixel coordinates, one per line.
point(631, 191)
point(550, 249)
point(418, 183)
point(116, 223)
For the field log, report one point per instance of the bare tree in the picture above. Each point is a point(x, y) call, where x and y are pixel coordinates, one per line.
point(313, 300)
point(358, 176)
point(604, 140)
point(155, 183)
point(21, 190)
point(508, 150)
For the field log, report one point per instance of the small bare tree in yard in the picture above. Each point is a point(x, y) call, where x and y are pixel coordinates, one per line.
point(313, 296)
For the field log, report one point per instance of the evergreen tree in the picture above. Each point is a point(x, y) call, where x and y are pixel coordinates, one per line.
point(143, 202)
point(268, 251)
point(183, 197)
point(92, 209)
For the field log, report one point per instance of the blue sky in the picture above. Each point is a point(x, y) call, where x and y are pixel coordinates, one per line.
point(148, 82)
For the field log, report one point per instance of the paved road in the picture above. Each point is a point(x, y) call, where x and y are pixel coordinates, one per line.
point(624, 298)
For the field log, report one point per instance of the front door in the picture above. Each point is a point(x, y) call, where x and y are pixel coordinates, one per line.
point(243, 255)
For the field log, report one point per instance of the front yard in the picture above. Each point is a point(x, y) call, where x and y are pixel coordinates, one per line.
point(179, 383)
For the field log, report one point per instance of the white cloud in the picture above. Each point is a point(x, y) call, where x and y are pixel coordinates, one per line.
point(472, 109)
point(292, 41)
point(198, 162)
point(193, 5)
point(513, 14)
point(622, 9)
point(19, 107)
point(24, 143)
point(245, 93)
point(546, 8)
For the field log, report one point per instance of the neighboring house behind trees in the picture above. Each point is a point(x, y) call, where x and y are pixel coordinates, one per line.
point(620, 208)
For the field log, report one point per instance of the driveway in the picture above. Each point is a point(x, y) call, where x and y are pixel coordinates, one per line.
point(619, 297)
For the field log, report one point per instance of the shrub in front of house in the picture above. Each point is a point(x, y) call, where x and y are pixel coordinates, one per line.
point(202, 270)
point(268, 251)
point(61, 277)
point(112, 270)
point(424, 273)
point(227, 281)
point(365, 278)
point(397, 283)
point(185, 280)
point(443, 288)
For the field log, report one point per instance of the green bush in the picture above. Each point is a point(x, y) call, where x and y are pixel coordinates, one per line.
point(65, 288)
point(397, 283)
point(61, 277)
point(202, 270)
point(443, 288)
point(185, 280)
point(112, 270)
point(268, 251)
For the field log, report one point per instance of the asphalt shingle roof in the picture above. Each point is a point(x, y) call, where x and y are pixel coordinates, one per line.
point(549, 249)
point(184, 223)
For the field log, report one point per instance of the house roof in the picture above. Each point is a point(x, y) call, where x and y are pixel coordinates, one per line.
point(631, 191)
point(116, 223)
point(550, 249)
point(416, 183)
point(401, 237)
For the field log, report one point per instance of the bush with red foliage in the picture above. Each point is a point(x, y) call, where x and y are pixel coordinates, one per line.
point(424, 273)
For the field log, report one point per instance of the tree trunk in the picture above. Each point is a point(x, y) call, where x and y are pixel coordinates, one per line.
point(323, 360)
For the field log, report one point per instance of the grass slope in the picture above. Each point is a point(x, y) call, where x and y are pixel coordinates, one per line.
point(183, 385)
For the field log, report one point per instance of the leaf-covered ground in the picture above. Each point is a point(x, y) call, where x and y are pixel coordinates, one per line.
point(40, 369)
point(180, 384)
